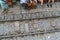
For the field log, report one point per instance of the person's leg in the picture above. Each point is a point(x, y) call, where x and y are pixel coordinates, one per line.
point(8, 11)
point(22, 4)
point(41, 2)
point(49, 3)
point(25, 6)
point(3, 11)
point(52, 1)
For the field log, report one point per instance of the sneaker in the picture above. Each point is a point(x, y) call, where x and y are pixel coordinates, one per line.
point(47, 5)
point(50, 5)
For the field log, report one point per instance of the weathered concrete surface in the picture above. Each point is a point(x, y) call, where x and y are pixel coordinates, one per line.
point(27, 21)
point(36, 25)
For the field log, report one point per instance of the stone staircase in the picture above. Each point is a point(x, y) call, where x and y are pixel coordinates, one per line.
point(34, 24)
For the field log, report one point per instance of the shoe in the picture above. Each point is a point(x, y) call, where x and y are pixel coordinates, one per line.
point(51, 5)
point(47, 5)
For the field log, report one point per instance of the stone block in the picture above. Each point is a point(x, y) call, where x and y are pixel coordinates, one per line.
point(22, 27)
point(26, 27)
point(16, 27)
point(34, 15)
point(29, 16)
point(1, 29)
point(8, 28)
point(55, 13)
point(17, 16)
point(31, 28)
point(45, 14)
point(8, 17)
point(38, 15)
point(24, 16)
point(1, 17)
point(41, 15)
point(58, 23)
point(44, 24)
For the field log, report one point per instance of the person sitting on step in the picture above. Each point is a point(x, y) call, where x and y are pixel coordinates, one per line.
point(4, 6)
point(23, 3)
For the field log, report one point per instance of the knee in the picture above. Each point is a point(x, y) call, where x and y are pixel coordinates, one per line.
point(52, 0)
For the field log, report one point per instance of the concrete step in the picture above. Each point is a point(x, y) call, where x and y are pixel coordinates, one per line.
point(28, 16)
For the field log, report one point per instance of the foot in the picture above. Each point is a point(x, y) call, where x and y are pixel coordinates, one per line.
point(9, 11)
point(51, 5)
point(2, 13)
point(47, 5)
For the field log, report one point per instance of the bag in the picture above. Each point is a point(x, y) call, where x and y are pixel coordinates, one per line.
point(32, 4)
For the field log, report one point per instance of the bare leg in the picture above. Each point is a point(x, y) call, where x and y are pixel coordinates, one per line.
point(50, 2)
point(41, 2)
point(3, 11)
point(8, 11)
